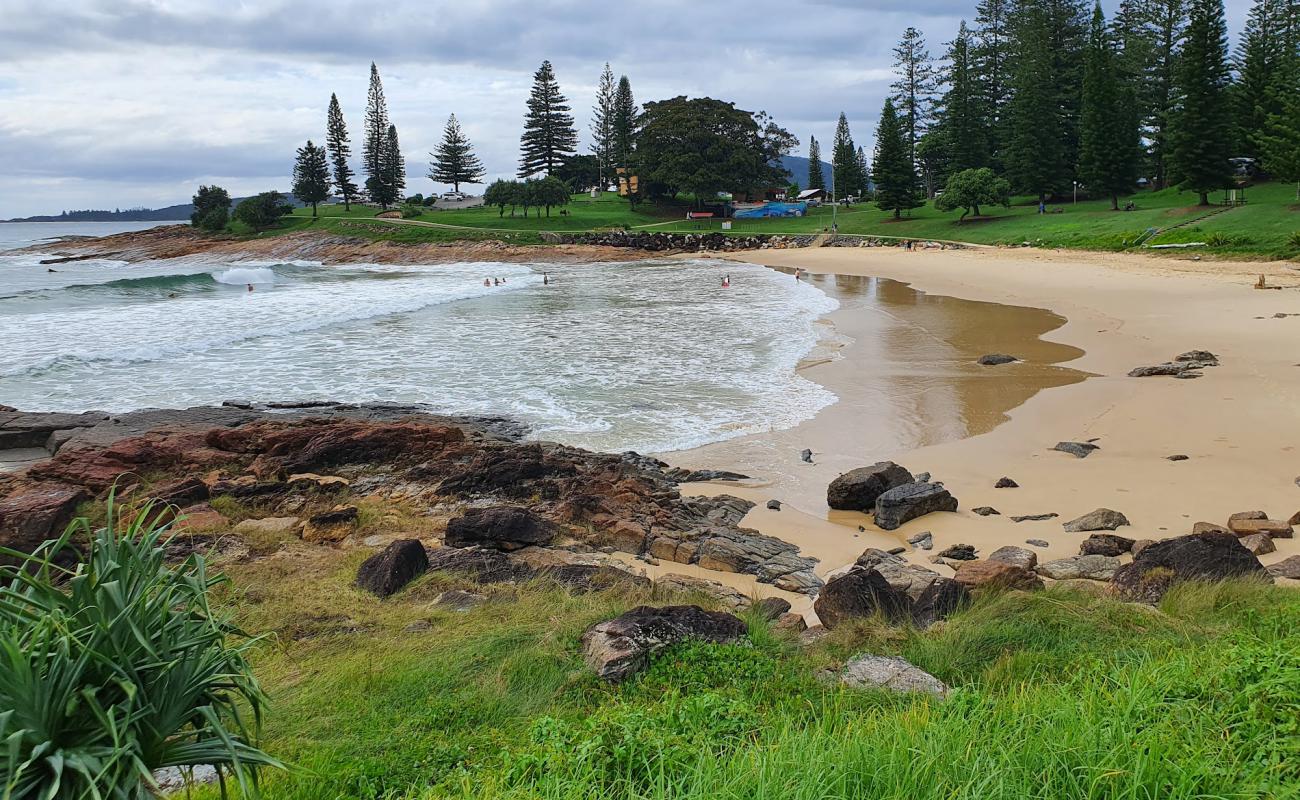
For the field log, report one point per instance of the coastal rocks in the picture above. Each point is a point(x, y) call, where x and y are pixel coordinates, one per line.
point(1278, 529)
point(20, 429)
point(995, 359)
point(979, 575)
point(1186, 365)
point(859, 593)
point(619, 648)
point(1209, 527)
point(478, 565)
point(922, 541)
point(387, 571)
point(909, 501)
point(732, 599)
point(1203, 556)
point(184, 492)
point(1177, 457)
point(859, 489)
point(806, 455)
point(1017, 556)
point(790, 623)
point(458, 600)
point(1102, 519)
point(1006, 483)
point(901, 575)
point(959, 552)
point(680, 475)
point(986, 511)
point(1038, 542)
point(502, 527)
point(1089, 567)
point(37, 513)
point(1076, 449)
point(657, 242)
point(269, 526)
point(331, 526)
point(1035, 517)
point(1286, 568)
point(890, 672)
point(941, 598)
point(1105, 544)
point(1259, 543)
point(772, 608)
point(773, 505)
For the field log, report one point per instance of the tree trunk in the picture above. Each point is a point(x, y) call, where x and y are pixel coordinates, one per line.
point(1205, 198)
point(977, 210)
point(1114, 202)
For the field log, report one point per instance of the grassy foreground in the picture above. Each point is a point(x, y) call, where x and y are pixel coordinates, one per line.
point(1058, 694)
point(1268, 226)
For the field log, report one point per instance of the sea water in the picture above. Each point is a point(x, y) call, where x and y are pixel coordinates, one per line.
point(652, 355)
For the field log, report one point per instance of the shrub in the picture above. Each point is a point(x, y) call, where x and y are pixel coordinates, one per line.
point(1294, 240)
point(116, 666)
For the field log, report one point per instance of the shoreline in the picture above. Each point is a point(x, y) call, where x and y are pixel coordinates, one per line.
point(1239, 425)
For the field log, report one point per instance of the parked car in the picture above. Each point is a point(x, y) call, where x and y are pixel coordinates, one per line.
point(456, 196)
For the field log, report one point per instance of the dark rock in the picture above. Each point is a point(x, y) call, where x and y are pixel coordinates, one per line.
point(387, 571)
point(860, 593)
point(619, 648)
point(994, 359)
point(35, 514)
point(791, 622)
point(1076, 449)
point(1199, 556)
point(584, 578)
point(1286, 568)
point(922, 541)
point(1105, 544)
point(680, 475)
point(184, 492)
point(909, 501)
point(479, 565)
point(33, 429)
point(897, 571)
point(895, 551)
point(1006, 483)
point(774, 505)
point(1035, 517)
point(806, 456)
point(986, 511)
point(1038, 542)
point(858, 489)
point(922, 477)
point(331, 526)
point(978, 575)
point(502, 527)
point(941, 598)
point(1204, 357)
point(1019, 556)
point(1176, 457)
point(1101, 519)
point(771, 608)
point(959, 552)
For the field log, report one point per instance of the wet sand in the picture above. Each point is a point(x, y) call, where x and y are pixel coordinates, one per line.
point(1080, 322)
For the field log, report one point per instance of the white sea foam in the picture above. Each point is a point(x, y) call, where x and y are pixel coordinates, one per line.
point(239, 276)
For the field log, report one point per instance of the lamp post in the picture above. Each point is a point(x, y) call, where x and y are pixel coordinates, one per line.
point(1076, 193)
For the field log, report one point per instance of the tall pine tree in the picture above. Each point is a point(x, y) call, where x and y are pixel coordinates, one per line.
point(626, 121)
point(454, 161)
point(892, 168)
point(963, 114)
point(1200, 136)
point(914, 88)
point(376, 144)
point(1108, 127)
point(1035, 158)
point(602, 126)
point(1261, 59)
point(548, 136)
point(815, 178)
point(385, 187)
point(340, 150)
point(991, 59)
point(311, 175)
point(845, 180)
point(1280, 140)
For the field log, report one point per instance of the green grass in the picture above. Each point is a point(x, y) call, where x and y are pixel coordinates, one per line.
point(1057, 694)
point(1264, 228)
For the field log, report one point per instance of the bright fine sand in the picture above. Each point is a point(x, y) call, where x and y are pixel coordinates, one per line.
point(1239, 424)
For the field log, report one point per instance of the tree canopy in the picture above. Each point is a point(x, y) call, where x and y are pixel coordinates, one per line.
point(262, 211)
point(972, 188)
point(311, 175)
point(340, 150)
point(454, 160)
point(892, 168)
point(548, 136)
point(211, 208)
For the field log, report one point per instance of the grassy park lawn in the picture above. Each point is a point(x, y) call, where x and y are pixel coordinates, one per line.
point(1265, 227)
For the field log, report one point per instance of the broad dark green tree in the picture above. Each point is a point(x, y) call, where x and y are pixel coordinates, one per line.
point(626, 123)
point(548, 136)
point(500, 194)
point(971, 188)
point(914, 86)
point(845, 173)
point(1201, 127)
point(602, 126)
point(549, 192)
point(816, 180)
point(211, 208)
point(376, 144)
point(1109, 148)
point(454, 161)
point(340, 150)
point(892, 168)
point(580, 173)
point(311, 175)
point(263, 210)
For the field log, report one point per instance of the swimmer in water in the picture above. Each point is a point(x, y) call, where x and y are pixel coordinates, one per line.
point(797, 273)
point(726, 282)
point(496, 281)
point(545, 279)
point(487, 281)
point(250, 287)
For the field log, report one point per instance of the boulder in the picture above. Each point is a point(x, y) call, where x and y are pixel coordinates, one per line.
point(1038, 542)
point(1259, 543)
point(387, 571)
point(331, 526)
point(502, 527)
point(909, 501)
point(858, 489)
point(479, 565)
point(36, 513)
point(939, 600)
point(578, 572)
point(1286, 568)
point(619, 648)
point(790, 622)
point(995, 359)
point(1076, 449)
point(1089, 567)
point(1276, 528)
point(1101, 519)
point(1247, 515)
point(901, 575)
point(1176, 457)
point(269, 526)
point(1019, 556)
point(977, 575)
point(1140, 545)
point(1209, 527)
point(732, 599)
point(1006, 483)
point(458, 600)
point(773, 505)
point(959, 552)
point(1105, 544)
point(986, 511)
point(890, 672)
point(1198, 556)
point(772, 608)
point(860, 593)
point(922, 541)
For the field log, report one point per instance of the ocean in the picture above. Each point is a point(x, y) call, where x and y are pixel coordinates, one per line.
point(651, 355)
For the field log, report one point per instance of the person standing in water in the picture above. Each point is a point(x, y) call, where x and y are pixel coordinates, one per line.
point(546, 279)
point(250, 287)
point(487, 281)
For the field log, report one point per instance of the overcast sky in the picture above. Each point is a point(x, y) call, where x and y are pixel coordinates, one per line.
point(119, 103)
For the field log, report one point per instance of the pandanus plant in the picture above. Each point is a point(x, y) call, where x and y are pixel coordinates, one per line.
point(113, 664)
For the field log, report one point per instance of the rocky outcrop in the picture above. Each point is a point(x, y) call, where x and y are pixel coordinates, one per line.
point(1101, 519)
point(959, 552)
point(502, 527)
point(890, 672)
point(657, 242)
point(1276, 528)
point(996, 359)
point(619, 648)
point(1286, 568)
point(942, 598)
point(386, 572)
point(901, 575)
point(858, 489)
point(1259, 543)
point(983, 575)
point(1105, 544)
point(858, 594)
point(1089, 567)
point(1076, 449)
point(911, 500)
point(1018, 556)
point(1198, 556)
point(330, 527)
point(36, 513)
point(47, 430)
point(1186, 365)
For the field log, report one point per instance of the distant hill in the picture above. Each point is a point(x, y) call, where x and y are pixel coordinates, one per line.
point(797, 166)
point(168, 213)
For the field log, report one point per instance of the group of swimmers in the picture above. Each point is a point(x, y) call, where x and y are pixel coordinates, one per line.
point(546, 280)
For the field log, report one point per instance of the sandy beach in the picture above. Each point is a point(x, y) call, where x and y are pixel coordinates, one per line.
point(1239, 425)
